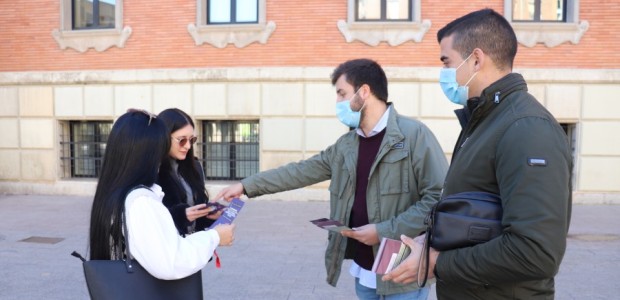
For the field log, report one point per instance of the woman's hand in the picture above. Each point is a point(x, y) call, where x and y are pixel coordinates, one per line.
point(197, 211)
point(226, 233)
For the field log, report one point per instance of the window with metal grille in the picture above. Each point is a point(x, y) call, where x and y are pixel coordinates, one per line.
point(93, 14)
point(571, 133)
point(230, 150)
point(232, 11)
point(383, 10)
point(82, 144)
point(539, 10)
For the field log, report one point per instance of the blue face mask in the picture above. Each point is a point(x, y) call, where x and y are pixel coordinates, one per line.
point(347, 116)
point(447, 80)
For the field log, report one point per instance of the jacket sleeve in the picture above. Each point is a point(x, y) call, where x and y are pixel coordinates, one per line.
point(429, 165)
point(536, 202)
point(291, 176)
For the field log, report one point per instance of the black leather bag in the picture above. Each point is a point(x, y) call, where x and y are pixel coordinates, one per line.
point(464, 219)
point(461, 220)
point(127, 279)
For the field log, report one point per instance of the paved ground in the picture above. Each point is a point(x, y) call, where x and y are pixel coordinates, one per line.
point(277, 254)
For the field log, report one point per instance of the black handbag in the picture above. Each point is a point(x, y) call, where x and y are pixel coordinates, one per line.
point(460, 220)
point(127, 279)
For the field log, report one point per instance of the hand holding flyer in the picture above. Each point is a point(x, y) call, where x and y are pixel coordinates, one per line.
point(331, 225)
point(229, 213)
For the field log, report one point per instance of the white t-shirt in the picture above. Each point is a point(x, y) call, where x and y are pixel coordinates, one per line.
point(155, 243)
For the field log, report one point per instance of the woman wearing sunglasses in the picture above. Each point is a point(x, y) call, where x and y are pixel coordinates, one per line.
point(181, 176)
point(127, 192)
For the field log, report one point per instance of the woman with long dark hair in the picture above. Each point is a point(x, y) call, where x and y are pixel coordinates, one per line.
point(181, 175)
point(127, 185)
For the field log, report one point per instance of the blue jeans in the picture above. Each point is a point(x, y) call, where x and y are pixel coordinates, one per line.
point(366, 293)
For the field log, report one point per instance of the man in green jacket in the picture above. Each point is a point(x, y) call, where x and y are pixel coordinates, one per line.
point(385, 177)
point(510, 145)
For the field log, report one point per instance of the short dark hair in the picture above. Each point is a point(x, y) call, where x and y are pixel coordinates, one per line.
point(484, 29)
point(363, 71)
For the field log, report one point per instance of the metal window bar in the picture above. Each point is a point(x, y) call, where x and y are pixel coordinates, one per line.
point(571, 134)
point(230, 149)
point(82, 147)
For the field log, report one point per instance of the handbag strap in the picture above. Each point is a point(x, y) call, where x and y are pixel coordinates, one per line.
point(425, 255)
point(128, 260)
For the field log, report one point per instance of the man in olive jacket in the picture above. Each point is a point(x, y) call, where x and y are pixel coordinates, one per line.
point(510, 145)
point(385, 177)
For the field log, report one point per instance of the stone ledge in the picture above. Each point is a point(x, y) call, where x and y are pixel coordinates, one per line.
point(279, 74)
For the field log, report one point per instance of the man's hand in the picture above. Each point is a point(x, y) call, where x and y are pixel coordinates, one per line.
point(230, 192)
point(407, 271)
point(366, 234)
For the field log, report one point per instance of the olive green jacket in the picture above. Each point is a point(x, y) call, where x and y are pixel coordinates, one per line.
point(405, 181)
point(511, 146)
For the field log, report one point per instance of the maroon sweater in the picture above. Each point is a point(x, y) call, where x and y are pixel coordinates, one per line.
point(367, 152)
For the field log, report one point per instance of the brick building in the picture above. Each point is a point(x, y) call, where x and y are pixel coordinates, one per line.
point(254, 74)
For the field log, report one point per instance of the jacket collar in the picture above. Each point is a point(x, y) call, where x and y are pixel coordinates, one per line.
point(493, 95)
point(392, 132)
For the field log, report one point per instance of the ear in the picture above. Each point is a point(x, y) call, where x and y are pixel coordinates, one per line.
point(365, 91)
point(480, 59)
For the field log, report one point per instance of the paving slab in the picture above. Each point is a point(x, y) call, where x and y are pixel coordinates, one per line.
point(278, 253)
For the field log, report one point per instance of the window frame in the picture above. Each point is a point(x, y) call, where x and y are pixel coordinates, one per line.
point(231, 158)
point(551, 34)
point(383, 13)
point(82, 40)
point(233, 15)
point(238, 34)
point(68, 145)
point(571, 130)
point(96, 16)
point(537, 14)
point(394, 33)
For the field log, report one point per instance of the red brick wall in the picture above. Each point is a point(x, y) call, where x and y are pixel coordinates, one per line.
point(306, 35)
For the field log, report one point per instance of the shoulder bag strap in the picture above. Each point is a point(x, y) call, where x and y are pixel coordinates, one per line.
point(128, 261)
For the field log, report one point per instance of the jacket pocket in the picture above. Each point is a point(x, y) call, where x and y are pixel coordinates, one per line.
point(394, 170)
point(339, 181)
point(339, 189)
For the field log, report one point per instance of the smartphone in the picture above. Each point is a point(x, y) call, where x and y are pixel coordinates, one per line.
point(217, 206)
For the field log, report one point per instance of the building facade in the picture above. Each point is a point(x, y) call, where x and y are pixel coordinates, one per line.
point(254, 75)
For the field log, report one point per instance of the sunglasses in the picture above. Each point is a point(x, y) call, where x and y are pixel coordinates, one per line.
point(183, 140)
point(143, 111)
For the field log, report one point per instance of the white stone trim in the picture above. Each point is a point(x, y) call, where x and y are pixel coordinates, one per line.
point(239, 35)
point(393, 33)
point(530, 34)
point(550, 34)
point(277, 74)
point(98, 39)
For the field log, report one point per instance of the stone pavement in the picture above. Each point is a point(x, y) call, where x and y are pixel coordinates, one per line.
point(277, 254)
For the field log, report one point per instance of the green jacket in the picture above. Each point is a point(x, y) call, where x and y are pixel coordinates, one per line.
point(405, 181)
point(511, 146)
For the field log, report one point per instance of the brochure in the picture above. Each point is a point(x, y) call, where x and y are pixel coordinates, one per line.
point(390, 254)
point(229, 213)
point(329, 224)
